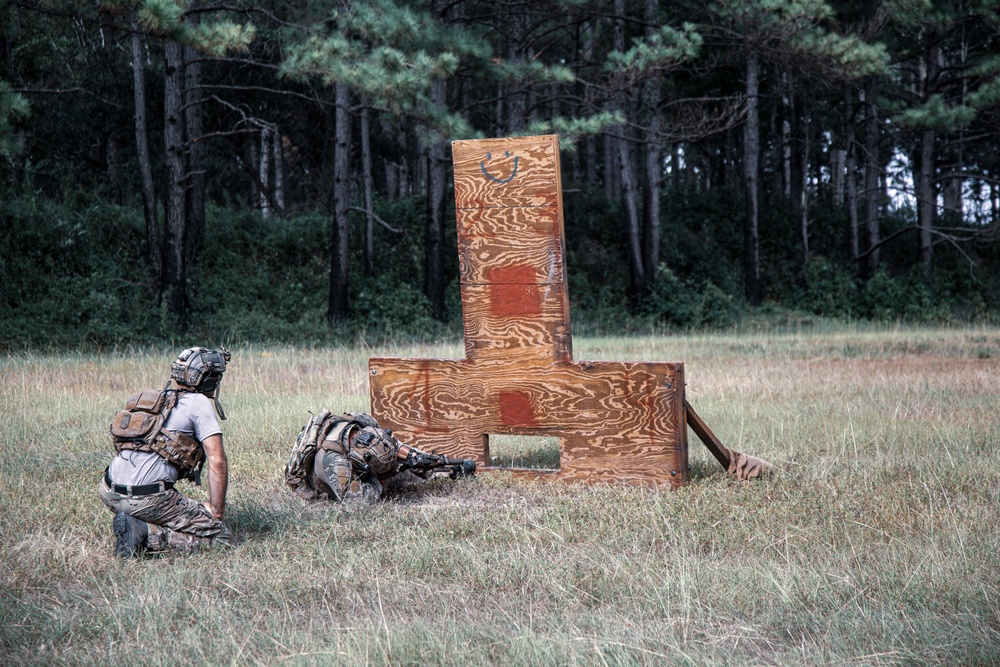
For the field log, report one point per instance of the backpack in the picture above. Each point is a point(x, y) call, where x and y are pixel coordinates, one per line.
point(140, 427)
point(143, 416)
point(300, 461)
point(303, 455)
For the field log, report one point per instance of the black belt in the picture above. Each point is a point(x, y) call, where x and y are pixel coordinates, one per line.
point(138, 490)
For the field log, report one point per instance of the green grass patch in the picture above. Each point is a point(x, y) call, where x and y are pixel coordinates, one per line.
point(875, 544)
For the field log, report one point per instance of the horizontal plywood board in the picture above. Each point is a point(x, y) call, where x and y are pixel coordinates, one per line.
point(484, 260)
point(516, 321)
point(617, 420)
point(506, 172)
point(633, 398)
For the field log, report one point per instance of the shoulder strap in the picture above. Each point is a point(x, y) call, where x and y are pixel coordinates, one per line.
point(170, 397)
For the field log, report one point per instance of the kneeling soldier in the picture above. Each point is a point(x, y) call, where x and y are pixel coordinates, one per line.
point(161, 437)
point(350, 457)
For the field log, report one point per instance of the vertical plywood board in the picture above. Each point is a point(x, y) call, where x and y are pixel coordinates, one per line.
point(616, 421)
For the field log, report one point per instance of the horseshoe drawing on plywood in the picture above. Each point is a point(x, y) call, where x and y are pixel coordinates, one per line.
point(513, 172)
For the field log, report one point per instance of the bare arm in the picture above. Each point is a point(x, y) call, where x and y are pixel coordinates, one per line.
point(218, 474)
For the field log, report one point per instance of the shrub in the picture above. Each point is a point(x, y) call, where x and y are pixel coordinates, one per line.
point(715, 309)
point(829, 290)
point(908, 297)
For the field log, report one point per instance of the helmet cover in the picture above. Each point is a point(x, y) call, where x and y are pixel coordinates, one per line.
point(375, 450)
point(200, 368)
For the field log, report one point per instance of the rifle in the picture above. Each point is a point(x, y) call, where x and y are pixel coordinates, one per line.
point(422, 463)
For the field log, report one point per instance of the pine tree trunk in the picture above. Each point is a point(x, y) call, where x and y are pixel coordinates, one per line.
point(952, 203)
point(926, 196)
point(111, 164)
point(405, 172)
point(391, 180)
point(264, 171)
point(437, 176)
point(368, 187)
point(798, 124)
point(838, 162)
point(636, 273)
point(142, 147)
point(591, 143)
point(787, 109)
point(516, 93)
point(675, 169)
point(850, 179)
point(926, 199)
point(651, 181)
point(610, 161)
point(253, 160)
point(337, 307)
point(278, 154)
point(195, 153)
point(174, 268)
point(804, 191)
point(731, 159)
point(953, 185)
point(872, 188)
point(110, 134)
point(751, 157)
point(620, 101)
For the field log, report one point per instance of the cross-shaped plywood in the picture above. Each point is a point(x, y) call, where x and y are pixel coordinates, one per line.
point(616, 421)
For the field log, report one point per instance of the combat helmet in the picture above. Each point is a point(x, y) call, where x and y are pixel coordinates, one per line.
point(201, 369)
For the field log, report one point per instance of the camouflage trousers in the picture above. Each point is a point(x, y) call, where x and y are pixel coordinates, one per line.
point(175, 521)
point(334, 476)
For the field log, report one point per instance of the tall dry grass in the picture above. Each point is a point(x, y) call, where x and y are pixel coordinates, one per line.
point(875, 545)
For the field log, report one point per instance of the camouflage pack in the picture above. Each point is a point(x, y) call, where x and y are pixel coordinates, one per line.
point(300, 461)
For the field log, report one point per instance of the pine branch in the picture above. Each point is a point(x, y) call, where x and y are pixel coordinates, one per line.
point(65, 91)
point(945, 237)
point(376, 219)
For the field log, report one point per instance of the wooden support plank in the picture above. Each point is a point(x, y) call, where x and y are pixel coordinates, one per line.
point(701, 429)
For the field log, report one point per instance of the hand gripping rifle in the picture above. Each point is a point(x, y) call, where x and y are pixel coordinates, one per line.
point(424, 464)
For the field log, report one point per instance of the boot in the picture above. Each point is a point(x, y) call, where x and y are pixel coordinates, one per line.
point(130, 535)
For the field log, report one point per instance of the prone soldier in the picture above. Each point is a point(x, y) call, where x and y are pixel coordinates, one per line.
point(350, 457)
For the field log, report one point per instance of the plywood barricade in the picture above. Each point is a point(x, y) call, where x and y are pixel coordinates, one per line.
point(616, 421)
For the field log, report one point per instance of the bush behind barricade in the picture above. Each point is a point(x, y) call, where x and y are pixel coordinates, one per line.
point(75, 274)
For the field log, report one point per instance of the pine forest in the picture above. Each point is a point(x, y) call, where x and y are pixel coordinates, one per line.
point(251, 170)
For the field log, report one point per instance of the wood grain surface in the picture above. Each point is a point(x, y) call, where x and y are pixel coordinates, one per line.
point(616, 421)
point(507, 172)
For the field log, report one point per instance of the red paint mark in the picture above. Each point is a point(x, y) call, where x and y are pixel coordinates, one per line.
point(514, 291)
point(516, 409)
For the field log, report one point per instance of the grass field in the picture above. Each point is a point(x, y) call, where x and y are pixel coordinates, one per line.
point(876, 544)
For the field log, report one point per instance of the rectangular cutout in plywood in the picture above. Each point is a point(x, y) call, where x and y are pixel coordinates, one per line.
point(532, 452)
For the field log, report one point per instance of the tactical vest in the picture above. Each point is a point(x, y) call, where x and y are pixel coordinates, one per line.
point(139, 427)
